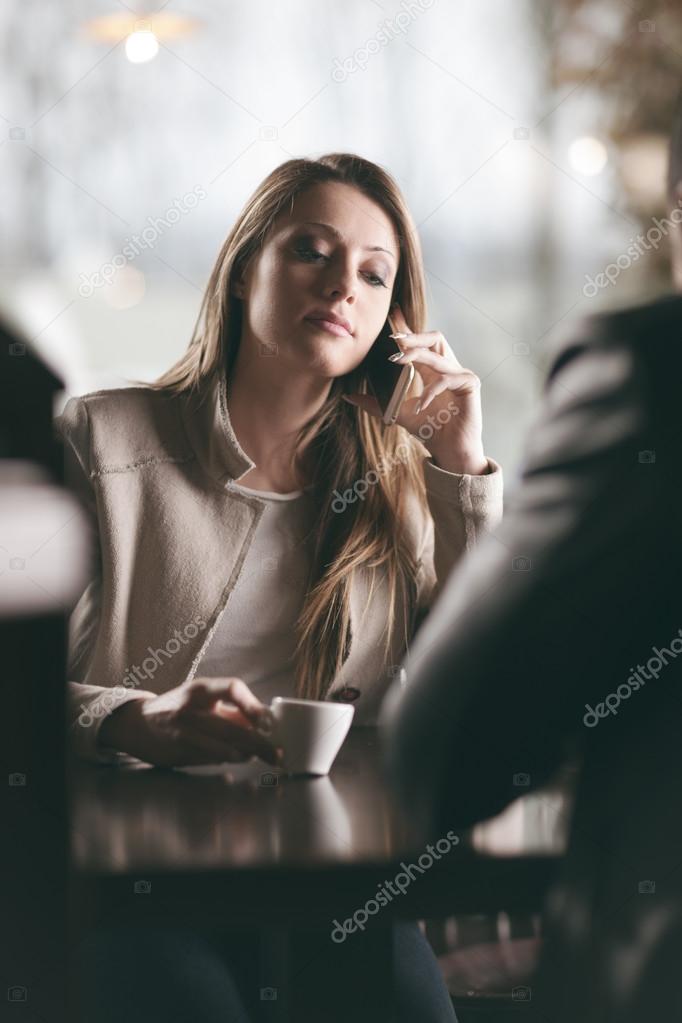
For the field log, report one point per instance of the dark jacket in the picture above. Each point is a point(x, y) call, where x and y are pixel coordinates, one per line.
point(533, 651)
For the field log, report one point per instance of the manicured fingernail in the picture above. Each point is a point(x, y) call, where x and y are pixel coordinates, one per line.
point(394, 358)
point(418, 407)
point(397, 335)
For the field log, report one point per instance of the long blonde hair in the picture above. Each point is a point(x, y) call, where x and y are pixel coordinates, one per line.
point(342, 444)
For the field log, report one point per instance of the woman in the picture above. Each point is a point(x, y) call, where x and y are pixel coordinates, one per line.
point(217, 488)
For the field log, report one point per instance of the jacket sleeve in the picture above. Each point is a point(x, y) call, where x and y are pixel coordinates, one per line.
point(498, 679)
point(463, 509)
point(87, 704)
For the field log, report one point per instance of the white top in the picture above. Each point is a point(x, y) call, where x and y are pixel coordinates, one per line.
point(258, 647)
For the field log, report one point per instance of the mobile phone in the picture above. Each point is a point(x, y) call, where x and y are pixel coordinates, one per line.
point(387, 381)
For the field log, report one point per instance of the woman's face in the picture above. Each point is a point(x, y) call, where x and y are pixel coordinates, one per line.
point(335, 252)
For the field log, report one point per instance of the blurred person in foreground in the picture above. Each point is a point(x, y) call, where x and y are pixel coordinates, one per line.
point(561, 635)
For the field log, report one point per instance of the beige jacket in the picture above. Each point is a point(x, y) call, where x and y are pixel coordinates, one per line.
point(170, 537)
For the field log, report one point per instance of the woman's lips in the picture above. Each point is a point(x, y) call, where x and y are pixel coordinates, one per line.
point(331, 328)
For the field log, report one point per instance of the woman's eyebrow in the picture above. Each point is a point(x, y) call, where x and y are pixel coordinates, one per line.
point(337, 234)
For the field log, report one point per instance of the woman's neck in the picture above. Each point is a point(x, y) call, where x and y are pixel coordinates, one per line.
point(267, 416)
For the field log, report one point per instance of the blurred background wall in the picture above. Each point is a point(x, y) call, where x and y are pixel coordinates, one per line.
point(529, 138)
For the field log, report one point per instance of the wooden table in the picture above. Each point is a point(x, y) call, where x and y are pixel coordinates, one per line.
point(244, 845)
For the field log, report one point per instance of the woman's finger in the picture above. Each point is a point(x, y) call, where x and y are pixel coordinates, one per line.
point(219, 728)
point(429, 339)
point(431, 392)
point(365, 401)
point(441, 363)
point(424, 355)
point(425, 340)
point(207, 691)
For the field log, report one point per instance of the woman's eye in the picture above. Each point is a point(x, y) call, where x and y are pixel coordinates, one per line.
point(311, 256)
point(305, 251)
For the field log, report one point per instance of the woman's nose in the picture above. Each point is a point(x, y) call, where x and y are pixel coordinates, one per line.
point(342, 283)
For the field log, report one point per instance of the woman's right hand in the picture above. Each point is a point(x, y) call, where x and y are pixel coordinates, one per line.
point(191, 724)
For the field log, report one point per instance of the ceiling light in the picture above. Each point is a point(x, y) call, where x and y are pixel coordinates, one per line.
point(141, 46)
point(588, 155)
point(112, 28)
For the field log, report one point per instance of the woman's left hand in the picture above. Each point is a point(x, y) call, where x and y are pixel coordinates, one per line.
point(451, 428)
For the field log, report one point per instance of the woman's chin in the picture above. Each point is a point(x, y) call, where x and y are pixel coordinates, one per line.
point(331, 356)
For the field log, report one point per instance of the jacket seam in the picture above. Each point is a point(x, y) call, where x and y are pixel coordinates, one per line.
point(130, 466)
point(105, 470)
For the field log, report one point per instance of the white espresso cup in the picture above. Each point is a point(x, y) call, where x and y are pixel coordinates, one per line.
point(310, 732)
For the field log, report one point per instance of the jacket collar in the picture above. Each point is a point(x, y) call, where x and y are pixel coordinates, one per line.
point(208, 427)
